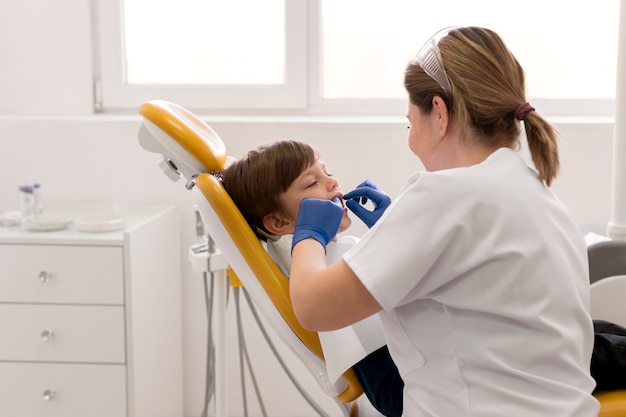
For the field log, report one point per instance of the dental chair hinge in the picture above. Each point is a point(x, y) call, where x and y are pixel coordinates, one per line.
point(191, 183)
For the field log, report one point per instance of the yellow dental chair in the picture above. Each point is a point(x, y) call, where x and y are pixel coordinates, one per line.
point(192, 150)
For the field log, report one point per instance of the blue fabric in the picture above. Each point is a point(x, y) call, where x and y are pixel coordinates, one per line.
point(608, 362)
point(381, 382)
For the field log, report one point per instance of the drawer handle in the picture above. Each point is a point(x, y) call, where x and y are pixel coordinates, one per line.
point(46, 335)
point(45, 277)
point(49, 394)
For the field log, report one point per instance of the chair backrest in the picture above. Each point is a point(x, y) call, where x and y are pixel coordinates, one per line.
point(193, 150)
point(607, 274)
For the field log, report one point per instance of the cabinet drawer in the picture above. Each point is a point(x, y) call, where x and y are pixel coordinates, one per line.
point(61, 274)
point(51, 390)
point(57, 333)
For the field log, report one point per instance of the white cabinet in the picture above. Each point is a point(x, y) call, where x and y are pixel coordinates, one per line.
point(90, 323)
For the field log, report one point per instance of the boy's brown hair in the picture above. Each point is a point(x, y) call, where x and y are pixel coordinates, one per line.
point(256, 181)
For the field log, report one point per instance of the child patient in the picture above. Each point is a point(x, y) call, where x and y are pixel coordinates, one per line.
point(267, 186)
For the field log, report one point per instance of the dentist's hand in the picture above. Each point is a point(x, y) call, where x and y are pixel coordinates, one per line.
point(317, 219)
point(367, 190)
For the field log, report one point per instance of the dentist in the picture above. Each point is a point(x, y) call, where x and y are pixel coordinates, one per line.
point(478, 271)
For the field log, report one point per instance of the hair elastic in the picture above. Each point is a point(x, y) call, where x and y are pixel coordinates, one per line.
point(522, 110)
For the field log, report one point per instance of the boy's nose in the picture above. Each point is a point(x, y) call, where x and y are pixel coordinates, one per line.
point(333, 184)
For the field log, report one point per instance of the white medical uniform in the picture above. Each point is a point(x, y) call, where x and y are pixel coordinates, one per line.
point(483, 278)
point(342, 348)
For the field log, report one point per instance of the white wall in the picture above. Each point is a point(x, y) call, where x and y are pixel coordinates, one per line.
point(49, 134)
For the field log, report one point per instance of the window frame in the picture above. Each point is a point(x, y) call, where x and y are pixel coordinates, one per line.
point(300, 95)
point(113, 94)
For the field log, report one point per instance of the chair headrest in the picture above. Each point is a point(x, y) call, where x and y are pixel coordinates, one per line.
point(192, 145)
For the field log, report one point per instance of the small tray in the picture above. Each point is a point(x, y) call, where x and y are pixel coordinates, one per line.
point(45, 223)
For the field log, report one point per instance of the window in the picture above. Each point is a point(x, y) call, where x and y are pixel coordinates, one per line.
point(198, 47)
point(348, 56)
point(203, 54)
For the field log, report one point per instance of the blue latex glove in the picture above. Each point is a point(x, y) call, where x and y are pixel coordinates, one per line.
point(367, 190)
point(318, 219)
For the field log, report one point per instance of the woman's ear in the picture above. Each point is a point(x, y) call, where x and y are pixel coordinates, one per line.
point(277, 224)
point(443, 115)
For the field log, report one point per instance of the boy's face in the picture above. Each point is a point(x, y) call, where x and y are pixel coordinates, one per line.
point(313, 182)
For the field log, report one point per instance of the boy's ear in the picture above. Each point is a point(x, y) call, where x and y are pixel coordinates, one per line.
point(278, 225)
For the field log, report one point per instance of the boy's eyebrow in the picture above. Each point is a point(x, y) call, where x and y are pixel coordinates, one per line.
point(307, 172)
